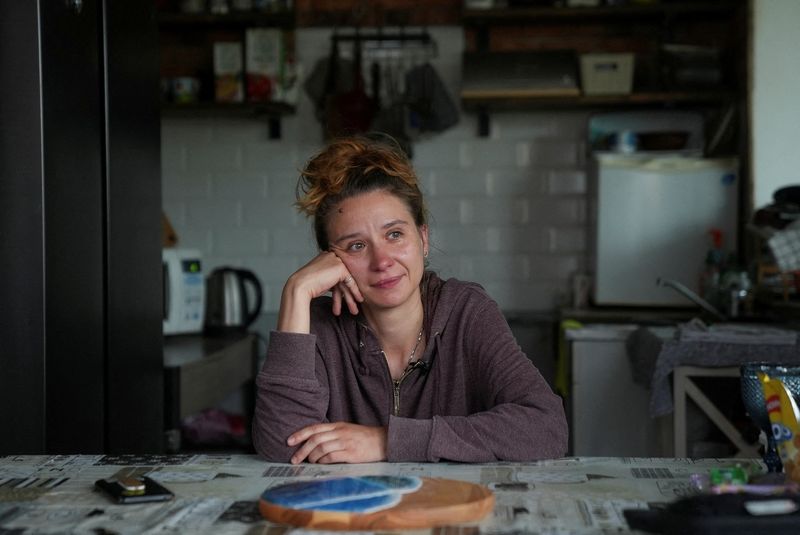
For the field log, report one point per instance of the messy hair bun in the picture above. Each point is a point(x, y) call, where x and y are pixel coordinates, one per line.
point(351, 166)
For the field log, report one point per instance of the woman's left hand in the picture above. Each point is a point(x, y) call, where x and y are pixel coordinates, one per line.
point(339, 442)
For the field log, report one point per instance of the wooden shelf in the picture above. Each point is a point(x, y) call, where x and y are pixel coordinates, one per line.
point(647, 99)
point(284, 19)
point(228, 109)
point(483, 106)
point(540, 14)
point(272, 112)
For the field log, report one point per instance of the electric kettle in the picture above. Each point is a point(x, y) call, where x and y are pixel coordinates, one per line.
point(228, 305)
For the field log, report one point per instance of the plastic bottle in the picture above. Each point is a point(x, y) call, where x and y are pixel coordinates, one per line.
point(710, 277)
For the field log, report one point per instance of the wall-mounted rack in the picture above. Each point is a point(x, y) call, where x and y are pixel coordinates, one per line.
point(390, 43)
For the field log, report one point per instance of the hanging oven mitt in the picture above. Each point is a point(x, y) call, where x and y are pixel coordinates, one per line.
point(432, 109)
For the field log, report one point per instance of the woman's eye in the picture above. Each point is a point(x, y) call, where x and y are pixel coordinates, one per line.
point(395, 235)
point(357, 246)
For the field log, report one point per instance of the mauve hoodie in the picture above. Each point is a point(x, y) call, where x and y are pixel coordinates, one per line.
point(477, 398)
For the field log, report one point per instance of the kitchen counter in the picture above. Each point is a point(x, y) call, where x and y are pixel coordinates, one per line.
point(782, 314)
point(639, 316)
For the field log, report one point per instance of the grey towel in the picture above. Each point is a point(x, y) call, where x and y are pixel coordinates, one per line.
point(655, 357)
point(736, 333)
point(643, 347)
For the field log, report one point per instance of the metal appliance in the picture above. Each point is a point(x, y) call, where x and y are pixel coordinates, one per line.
point(654, 208)
point(184, 291)
point(229, 305)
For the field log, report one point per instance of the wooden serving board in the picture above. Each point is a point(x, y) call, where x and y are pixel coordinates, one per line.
point(438, 502)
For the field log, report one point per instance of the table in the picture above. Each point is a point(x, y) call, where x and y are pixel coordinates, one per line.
point(200, 371)
point(219, 493)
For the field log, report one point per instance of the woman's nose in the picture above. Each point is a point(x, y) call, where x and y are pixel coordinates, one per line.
point(381, 257)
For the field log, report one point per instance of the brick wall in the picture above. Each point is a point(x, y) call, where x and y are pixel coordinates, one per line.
point(508, 211)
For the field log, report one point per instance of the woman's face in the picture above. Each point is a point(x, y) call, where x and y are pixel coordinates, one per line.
point(375, 236)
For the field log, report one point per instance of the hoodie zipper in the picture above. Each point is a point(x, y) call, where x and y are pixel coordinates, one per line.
point(396, 383)
point(408, 370)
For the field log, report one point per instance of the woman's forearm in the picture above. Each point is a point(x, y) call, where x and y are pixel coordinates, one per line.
point(294, 315)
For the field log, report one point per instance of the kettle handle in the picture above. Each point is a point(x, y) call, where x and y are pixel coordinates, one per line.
point(249, 276)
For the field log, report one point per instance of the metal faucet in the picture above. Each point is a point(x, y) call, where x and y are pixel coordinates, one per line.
point(689, 294)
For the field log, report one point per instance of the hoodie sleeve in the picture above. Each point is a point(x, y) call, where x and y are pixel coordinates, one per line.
point(292, 392)
point(521, 418)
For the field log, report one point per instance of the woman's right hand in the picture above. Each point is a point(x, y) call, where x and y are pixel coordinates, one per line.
point(326, 272)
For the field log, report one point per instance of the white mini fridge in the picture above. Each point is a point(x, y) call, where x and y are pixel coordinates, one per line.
point(654, 214)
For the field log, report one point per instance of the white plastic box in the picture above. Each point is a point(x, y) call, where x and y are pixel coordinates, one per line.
point(606, 74)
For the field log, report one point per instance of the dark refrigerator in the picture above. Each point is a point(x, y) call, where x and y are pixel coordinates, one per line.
point(80, 200)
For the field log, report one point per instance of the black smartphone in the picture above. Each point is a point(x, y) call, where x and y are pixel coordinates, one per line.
point(134, 490)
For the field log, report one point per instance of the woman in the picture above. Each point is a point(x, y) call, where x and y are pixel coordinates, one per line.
point(396, 364)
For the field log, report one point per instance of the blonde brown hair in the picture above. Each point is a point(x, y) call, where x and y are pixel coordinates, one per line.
point(351, 166)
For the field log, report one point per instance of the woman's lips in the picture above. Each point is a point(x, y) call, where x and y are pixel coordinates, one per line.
point(386, 284)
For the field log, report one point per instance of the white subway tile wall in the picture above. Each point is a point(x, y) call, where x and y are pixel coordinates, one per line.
point(508, 211)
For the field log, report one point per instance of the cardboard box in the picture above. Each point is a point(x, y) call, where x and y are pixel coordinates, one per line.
point(228, 72)
point(606, 74)
point(264, 64)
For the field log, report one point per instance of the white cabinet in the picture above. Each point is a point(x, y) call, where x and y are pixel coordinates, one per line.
point(609, 411)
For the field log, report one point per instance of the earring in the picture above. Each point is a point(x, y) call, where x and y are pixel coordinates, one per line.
point(425, 254)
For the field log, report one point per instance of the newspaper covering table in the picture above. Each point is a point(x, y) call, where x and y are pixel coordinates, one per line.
point(219, 493)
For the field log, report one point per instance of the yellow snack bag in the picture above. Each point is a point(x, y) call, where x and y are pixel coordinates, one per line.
point(785, 420)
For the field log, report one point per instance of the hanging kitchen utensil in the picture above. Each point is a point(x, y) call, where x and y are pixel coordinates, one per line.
point(330, 76)
point(391, 117)
point(353, 111)
point(430, 105)
point(331, 116)
point(375, 76)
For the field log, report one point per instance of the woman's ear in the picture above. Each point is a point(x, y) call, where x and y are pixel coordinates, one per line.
point(423, 234)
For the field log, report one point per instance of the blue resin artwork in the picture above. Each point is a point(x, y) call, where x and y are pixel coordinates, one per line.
point(363, 505)
point(345, 494)
point(401, 484)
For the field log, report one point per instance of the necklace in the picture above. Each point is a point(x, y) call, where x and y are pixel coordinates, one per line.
point(414, 351)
